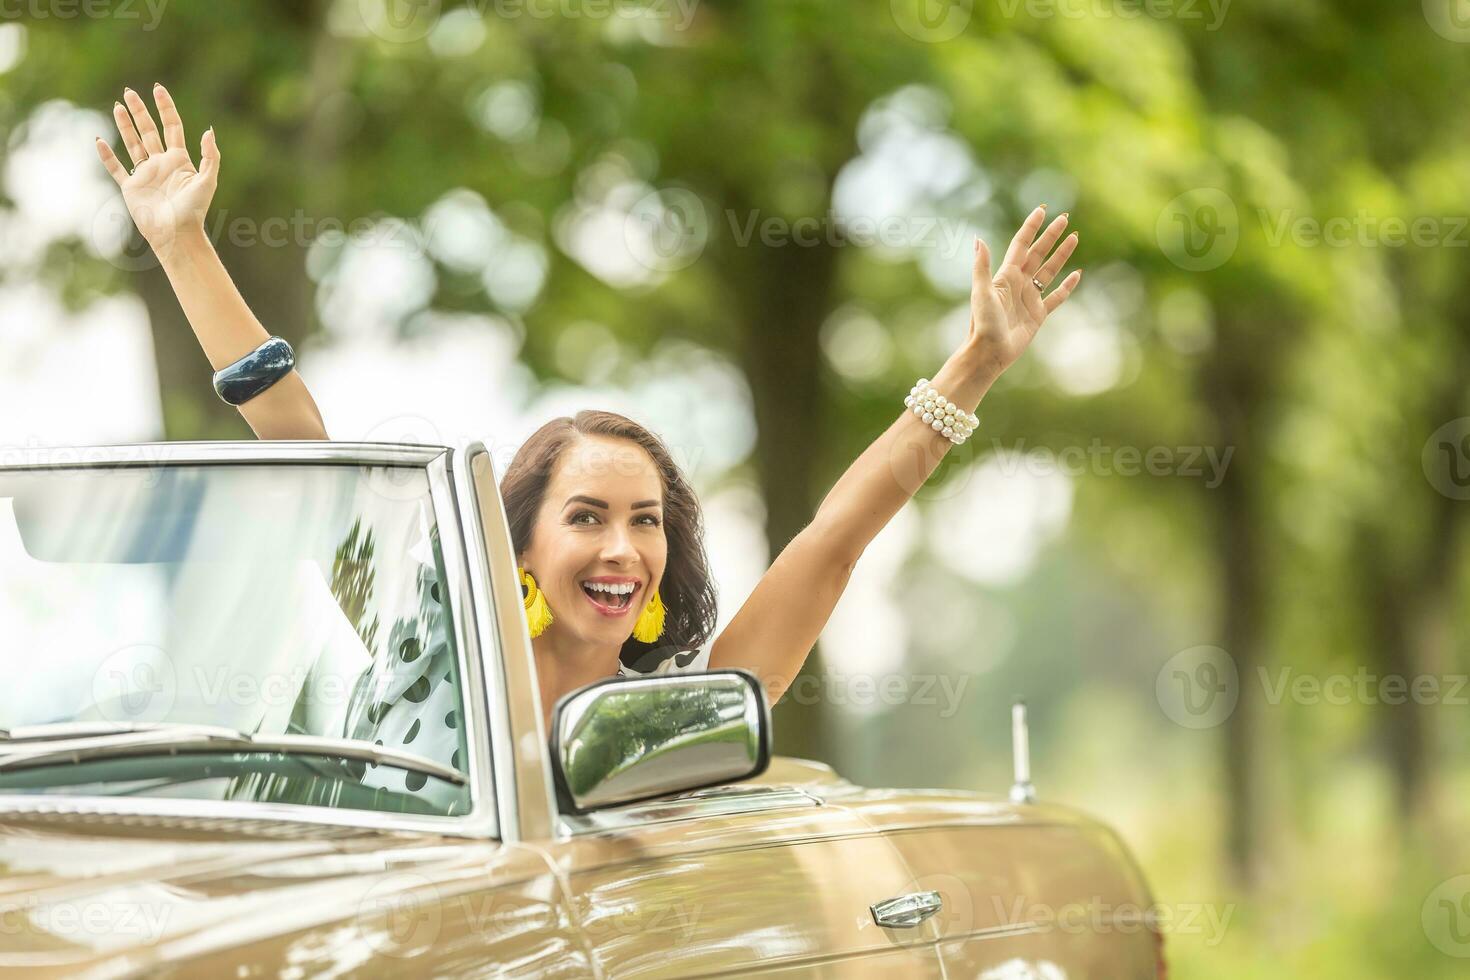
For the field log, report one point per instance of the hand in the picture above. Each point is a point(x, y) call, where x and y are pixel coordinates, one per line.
point(164, 193)
point(1007, 310)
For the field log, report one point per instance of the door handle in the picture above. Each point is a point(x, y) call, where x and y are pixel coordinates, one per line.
point(906, 911)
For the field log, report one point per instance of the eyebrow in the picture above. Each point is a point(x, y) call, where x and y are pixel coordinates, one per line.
point(603, 503)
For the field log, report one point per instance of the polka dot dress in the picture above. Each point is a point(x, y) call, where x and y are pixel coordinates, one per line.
point(666, 660)
point(410, 699)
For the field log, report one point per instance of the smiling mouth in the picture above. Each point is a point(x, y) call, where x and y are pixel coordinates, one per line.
point(608, 604)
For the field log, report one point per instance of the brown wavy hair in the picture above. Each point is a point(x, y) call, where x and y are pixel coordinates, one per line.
point(687, 590)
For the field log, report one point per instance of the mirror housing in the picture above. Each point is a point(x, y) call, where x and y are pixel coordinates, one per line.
point(624, 740)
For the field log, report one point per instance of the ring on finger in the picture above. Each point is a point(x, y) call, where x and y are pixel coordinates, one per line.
point(1040, 286)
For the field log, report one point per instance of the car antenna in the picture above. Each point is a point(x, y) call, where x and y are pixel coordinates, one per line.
point(1021, 790)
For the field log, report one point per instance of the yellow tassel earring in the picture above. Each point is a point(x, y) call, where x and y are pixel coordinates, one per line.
point(538, 613)
point(650, 623)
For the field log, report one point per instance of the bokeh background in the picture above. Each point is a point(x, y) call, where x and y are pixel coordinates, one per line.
point(1212, 525)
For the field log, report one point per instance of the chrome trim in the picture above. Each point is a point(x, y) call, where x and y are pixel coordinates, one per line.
point(225, 451)
point(124, 810)
point(83, 729)
point(1021, 789)
point(906, 911)
point(81, 818)
point(514, 637)
point(492, 654)
point(480, 821)
point(720, 801)
point(483, 815)
point(199, 740)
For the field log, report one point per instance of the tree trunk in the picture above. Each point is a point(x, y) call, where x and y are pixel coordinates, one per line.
point(1231, 393)
point(269, 269)
point(781, 357)
point(1407, 599)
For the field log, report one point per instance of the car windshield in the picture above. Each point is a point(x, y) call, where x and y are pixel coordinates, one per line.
point(271, 599)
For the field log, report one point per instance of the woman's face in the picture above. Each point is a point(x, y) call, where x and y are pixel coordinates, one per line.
point(601, 520)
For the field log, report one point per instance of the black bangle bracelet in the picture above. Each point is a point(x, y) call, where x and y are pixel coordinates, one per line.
point(255, 372)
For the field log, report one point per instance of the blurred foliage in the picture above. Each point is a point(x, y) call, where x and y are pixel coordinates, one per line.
point(1324, 368)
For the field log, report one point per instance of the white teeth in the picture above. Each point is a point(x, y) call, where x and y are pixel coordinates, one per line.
point(614, 589)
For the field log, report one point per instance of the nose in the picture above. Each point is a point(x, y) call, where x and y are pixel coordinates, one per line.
point(618, 547)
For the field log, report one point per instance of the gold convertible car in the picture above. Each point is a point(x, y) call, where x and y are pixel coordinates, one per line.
point(270, 710)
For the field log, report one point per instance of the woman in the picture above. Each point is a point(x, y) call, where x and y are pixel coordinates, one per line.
point(606, 529)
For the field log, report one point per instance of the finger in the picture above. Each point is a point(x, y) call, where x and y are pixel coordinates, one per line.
point(209, 157)
point(1059, 295)
point(1058, 260)
point(1024, 237)
point(129, 134)
point(173, 126)
point(981, 271)
point(111, 162)
point(1038, 252)
point(147, 128)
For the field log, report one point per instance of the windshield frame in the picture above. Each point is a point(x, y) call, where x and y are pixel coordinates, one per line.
point(482, 820)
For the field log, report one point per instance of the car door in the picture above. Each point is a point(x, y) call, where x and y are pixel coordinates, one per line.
point(1027, 891)
point(738, 880)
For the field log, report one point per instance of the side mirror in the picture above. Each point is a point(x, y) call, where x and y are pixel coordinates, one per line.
point(623, 740)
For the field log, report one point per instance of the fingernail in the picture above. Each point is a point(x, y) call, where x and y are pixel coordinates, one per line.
point(1064, 214)
point(1043, 207)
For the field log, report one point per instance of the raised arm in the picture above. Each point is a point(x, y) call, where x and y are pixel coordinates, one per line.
point(168, 200)
point(781, 621)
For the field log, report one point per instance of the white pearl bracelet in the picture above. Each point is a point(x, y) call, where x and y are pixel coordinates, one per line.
point(941, 414)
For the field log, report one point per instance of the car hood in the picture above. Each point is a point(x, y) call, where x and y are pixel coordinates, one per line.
point(110, 895)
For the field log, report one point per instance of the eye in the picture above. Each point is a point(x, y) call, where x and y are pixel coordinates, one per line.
point(653, 520)
point(576, 517)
